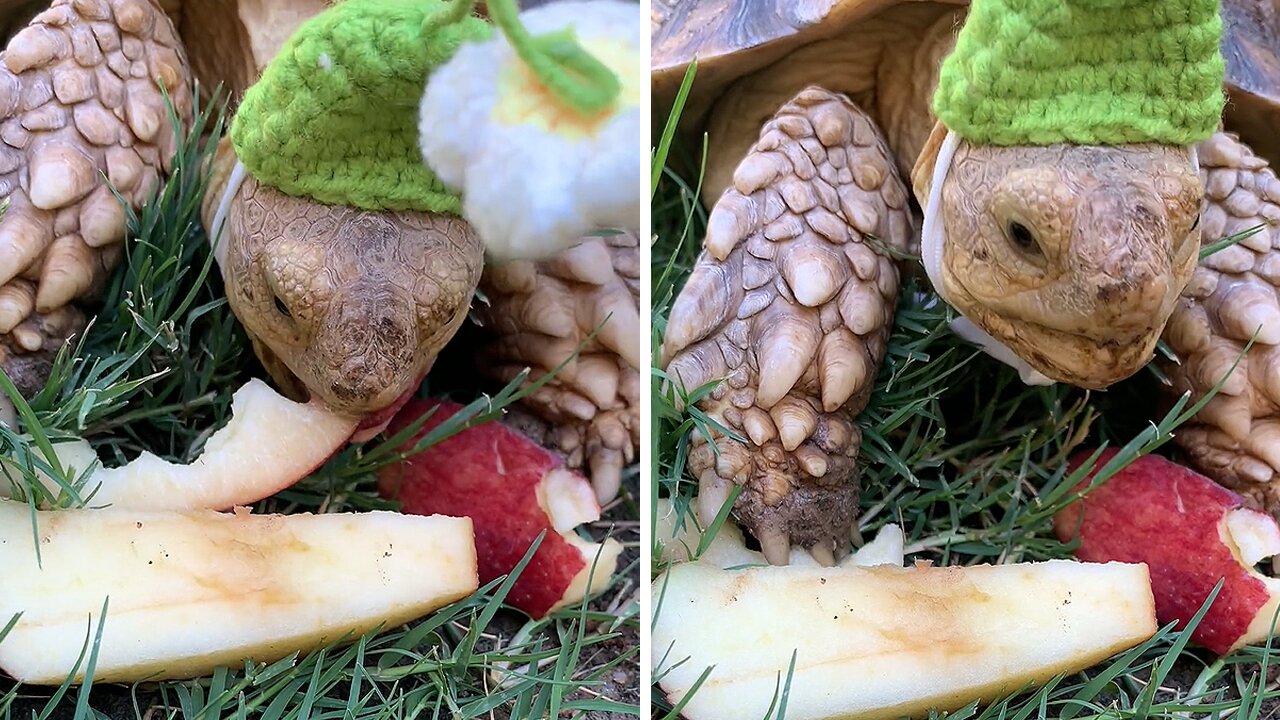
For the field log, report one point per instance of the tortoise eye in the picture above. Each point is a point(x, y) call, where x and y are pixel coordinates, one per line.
point(281, 307)
point(1022, 238)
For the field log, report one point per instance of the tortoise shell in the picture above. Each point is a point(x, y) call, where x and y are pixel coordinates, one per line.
point(1251, 48)
point(733, 38)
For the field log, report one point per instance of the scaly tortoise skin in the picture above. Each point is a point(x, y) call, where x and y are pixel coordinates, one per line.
point(354, 307)
point(821, 144)
point(80, 98)
point(539, 313)
point(370, 300)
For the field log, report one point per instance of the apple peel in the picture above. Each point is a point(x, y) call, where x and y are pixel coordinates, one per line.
point(1192, 533)
point(513, 490)
point(193, 591)
point(268, 444)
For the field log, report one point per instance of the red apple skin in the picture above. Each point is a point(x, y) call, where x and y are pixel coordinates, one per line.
point(1165, 515)
point(488, 473)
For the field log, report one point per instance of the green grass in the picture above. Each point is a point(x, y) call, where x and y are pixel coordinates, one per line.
point(971, 464)
point(155, 372)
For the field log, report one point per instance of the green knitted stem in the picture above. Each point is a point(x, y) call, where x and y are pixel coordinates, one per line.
point(455, 12)
point(334, 117)
point(557, 60)
point(1086, 72)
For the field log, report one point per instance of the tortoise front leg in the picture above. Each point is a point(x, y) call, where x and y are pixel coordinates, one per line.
point(539, 313)
point(792, 303)
point(1234, 293)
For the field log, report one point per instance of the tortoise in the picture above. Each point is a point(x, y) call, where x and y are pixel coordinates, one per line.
point(1067, 258)
point(346, 305)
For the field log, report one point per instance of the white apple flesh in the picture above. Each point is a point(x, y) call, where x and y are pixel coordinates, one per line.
point(884, 642)
point(728, 549)
point(1253, 537)
point(569, 501)
point(268, 444)
point(193, 591)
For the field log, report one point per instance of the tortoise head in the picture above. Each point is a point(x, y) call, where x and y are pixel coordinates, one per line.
point(1072, 256)
point(353, 304)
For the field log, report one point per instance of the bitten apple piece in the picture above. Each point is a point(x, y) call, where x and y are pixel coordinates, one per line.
point(1192, 533)
point(884, 642)
point(512, 489)
point(728, 549)
point(268, 444)
point(192, 591)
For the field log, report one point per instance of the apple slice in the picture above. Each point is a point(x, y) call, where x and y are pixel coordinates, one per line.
point(512, 489)
point(679, 543)
point(885, 642)
point(192, 591)
point(268, 444)
point(1192, 533)
point(728, 549)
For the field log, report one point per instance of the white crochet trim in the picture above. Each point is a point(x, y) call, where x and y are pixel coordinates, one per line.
point(236, 179)
point(931, 240)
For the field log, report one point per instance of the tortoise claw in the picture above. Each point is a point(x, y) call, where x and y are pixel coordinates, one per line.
point(713, 493)
point(776, 547)
point(790, 307)
point(822, 552)
point(540, 314)
point(1233, 298)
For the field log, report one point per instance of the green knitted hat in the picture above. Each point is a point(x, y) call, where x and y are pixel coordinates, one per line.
point(1087, 72)
point(334, 117)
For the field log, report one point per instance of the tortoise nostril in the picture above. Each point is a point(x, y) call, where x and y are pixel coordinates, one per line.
point(354, 383)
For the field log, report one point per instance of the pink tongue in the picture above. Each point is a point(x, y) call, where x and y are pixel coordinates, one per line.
point(373, 424)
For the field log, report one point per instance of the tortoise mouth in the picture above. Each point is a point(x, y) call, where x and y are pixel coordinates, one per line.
point(369, 405)
point(1077, 359)
point(1113, 351)
point(377, 421)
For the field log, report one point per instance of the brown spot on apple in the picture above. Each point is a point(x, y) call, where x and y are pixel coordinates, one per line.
point(193, 591)
point(962, 634)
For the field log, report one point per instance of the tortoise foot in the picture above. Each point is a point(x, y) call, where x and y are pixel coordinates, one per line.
point(1233, 295)
point(27, 351)
point(791, 303)
point(604, 446)
point(69, 155)
point(539, 314)
point(806, 498)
